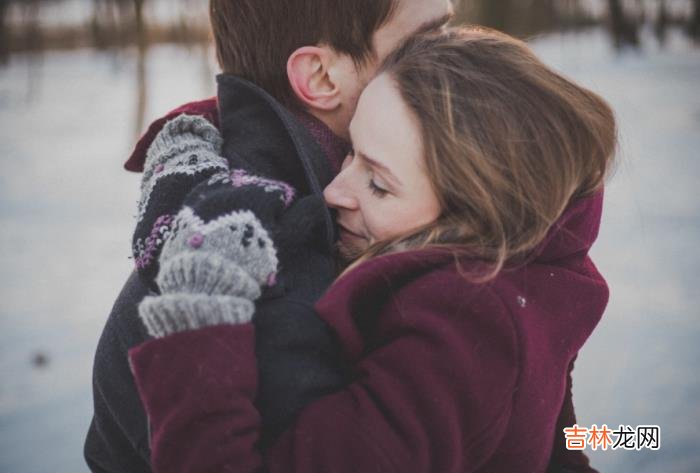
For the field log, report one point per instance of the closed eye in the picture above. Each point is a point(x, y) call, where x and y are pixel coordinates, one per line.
point(376, 190)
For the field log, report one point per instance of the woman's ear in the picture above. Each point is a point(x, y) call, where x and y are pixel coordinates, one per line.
point(308, 74)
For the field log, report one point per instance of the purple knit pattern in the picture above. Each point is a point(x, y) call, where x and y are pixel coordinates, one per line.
point(240, 178)
point(154, 241)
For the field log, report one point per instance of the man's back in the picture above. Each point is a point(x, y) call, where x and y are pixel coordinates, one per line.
point(118, 435)
point(117, 439)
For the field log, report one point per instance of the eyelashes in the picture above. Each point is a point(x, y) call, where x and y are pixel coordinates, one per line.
point(371, 185)
point(376, 190)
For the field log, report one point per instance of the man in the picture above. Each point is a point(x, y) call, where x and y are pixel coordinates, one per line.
point(314, 57)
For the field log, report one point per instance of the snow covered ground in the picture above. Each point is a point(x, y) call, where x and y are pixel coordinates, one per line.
point(66, 206)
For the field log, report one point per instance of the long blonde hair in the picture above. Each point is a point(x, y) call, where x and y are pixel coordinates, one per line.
point(508, 142)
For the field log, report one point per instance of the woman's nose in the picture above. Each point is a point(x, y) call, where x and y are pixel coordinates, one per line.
point(338, 195)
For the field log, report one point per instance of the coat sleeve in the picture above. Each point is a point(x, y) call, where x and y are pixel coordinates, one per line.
point(433, 396)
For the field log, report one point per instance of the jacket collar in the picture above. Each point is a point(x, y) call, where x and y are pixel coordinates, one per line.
point(264, 137)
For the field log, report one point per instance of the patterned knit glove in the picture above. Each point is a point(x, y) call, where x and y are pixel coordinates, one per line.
point(210, 273)
point(186, 145)
point(218, 253)
point(184, 154)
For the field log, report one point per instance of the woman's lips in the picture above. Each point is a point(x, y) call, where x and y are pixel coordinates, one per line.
point(346, 233)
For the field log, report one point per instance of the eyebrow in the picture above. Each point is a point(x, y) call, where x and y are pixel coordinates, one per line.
point(436, 24)
point(385, 170)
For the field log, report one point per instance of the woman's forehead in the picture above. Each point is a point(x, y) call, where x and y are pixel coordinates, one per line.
point(385, 129)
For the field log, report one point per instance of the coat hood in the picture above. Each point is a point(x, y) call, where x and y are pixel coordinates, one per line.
point(573, 234)
point(567, 241)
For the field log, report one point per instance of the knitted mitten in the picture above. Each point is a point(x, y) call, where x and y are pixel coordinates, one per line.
point(210, 273)
point(218, 253)
point(186, 152)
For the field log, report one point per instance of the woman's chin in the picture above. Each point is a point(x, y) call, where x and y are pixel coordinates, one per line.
point(349, 249)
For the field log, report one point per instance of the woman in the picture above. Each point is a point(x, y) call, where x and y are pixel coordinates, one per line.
point(469, 204)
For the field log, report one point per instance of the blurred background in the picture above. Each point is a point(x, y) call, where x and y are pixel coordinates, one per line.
point(80, 79)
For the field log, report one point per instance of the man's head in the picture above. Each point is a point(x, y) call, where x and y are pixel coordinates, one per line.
point(316, 54)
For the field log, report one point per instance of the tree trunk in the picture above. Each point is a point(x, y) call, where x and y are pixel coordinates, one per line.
point(623, 29)
point(140, 26)
point(4, 36)
point(694, 25)
point(141, 82)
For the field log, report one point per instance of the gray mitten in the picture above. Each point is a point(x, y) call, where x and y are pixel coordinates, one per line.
point(184, 154)
point(174, 146)
point(210, 273)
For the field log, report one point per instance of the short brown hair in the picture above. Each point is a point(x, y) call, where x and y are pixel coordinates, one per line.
point(254, 38)
point(509, 143)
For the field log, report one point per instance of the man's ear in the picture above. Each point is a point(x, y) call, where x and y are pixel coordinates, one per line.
point(308, 73)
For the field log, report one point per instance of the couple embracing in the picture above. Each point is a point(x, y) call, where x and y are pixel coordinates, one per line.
point(368, 253)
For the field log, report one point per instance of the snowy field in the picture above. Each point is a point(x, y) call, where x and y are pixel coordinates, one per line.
point(66, 205)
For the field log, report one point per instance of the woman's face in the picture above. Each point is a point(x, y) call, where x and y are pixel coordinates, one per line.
point(383, 189)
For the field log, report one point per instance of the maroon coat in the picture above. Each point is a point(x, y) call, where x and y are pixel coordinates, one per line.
point(447, 376)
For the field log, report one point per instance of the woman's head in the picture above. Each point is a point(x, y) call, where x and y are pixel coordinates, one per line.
point(492, 145)
point(383, 189)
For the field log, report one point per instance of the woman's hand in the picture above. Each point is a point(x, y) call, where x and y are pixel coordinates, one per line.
point(185, 153)
point(210, 273)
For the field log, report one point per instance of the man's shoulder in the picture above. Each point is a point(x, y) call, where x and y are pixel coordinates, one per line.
point(207, 108)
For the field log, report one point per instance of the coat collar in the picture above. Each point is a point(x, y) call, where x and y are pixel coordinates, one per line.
point(264, 137)
point(574, 233)
point(358, 297)
point(568, 240)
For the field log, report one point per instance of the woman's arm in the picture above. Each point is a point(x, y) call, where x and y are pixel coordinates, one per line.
point(434, 397)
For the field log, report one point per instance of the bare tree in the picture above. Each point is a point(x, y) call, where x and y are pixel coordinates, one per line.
point(140, 26)
point(4, 48)
point(694, 24)
point(624, 31)
point(141, 82)
point(661, 24)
